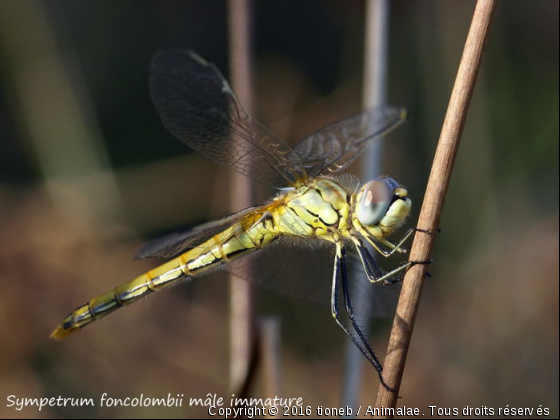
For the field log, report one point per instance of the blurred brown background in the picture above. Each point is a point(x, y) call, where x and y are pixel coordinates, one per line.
point(87, 173)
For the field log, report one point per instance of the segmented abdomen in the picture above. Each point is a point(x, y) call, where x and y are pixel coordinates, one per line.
point(251, 233)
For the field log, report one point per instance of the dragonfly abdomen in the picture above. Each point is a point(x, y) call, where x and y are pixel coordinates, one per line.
point(248, 235)
point(129, 292)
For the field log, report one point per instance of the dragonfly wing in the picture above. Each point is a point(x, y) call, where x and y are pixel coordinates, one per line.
point(174, 244)
point(303, 269)
point(336, 146)
point(197, 105)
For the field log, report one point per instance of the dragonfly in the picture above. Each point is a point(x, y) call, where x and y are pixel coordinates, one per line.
point(313, 203)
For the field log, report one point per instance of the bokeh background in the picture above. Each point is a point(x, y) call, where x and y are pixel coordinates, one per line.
point(87, 173)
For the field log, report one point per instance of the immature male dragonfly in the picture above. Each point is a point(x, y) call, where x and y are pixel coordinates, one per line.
point(198, 107)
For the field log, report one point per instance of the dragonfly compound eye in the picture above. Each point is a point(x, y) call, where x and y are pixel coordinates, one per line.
point(375, 200)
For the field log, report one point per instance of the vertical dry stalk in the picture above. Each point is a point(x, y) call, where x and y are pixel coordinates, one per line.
point(270, 364)
point(242, 330)
point(433, 200)
point(375, 92)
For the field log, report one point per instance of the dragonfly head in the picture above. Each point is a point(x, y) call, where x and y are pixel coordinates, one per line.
point(381, 206)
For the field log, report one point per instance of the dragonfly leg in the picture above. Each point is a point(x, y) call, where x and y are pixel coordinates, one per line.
point(429, 232)
point(397, 247)
point(387, 280)
point(372, 270)
point(340, 275)
point(394, 247)
point(370, 266)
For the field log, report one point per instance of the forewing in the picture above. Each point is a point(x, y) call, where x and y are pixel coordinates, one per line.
point(197, 105)
point(336, 146)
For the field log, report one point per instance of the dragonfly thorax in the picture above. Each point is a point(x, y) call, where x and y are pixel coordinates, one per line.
point(317, 209)
point(325, 209)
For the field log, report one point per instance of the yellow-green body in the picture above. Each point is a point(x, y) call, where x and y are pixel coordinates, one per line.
point(320, 209)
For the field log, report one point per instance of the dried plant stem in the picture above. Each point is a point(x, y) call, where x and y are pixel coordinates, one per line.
point(269, 346)
point(242, 328)
point(375, 92)
point(433, 200)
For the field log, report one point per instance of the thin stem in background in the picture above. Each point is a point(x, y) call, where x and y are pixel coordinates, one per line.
point(433, 200)
point(375, 93)
point(242, 328)
point(270, 355)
